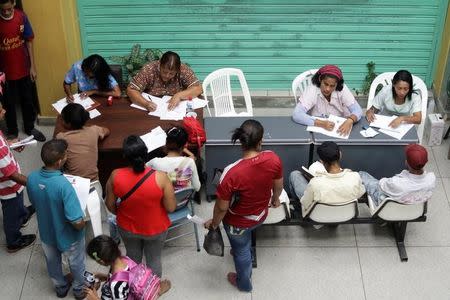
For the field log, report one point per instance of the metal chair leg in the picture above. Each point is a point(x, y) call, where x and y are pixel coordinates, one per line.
point(399, 233)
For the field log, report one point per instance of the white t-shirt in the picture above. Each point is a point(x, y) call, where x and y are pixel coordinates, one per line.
point(409, 188)
point(181, 170)
point(385, 103)
point(332, 188)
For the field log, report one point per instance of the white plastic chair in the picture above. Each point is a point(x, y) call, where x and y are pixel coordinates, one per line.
point(390, 210)
point(218, 82)
point(385, 79)
point(333, 213)
point(301, 82)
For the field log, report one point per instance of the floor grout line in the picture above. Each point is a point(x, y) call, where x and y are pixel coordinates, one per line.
point(26, 271)
point(359, 262)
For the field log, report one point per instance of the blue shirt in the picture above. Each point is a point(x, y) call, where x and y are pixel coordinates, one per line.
point(57, 206)
point(85, 83)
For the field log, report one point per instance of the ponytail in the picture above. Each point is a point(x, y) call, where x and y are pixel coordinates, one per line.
point(250, 133)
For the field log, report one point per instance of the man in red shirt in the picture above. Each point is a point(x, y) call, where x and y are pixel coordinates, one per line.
point(17, 61)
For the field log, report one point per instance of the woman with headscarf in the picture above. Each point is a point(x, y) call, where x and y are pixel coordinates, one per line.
point(328, 95)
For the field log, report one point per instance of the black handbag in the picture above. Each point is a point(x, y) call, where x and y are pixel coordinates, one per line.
point(213, 243)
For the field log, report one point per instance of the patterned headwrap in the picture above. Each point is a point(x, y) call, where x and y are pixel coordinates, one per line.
point(330, 70)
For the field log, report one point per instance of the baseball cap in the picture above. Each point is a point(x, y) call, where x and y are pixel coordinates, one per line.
point(416, 156)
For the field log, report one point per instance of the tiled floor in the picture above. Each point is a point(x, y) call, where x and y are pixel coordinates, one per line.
point(349, 262)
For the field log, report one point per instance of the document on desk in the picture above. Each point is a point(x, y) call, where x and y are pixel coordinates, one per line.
point(198, 103)
point(333, 133)
point(154, 139)
point(87, 103)
point(382, 122)
point(81, 186)
point(162, 110)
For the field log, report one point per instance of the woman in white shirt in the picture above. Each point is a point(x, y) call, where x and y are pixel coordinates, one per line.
point(181, 170)
point(398, 99)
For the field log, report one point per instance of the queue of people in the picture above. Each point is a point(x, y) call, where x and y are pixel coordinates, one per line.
point(143, 193)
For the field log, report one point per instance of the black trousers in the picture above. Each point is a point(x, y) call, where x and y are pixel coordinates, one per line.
point(22, 91)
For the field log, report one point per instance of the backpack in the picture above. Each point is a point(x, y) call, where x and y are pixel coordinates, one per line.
point(195, 130)
point(144, 285)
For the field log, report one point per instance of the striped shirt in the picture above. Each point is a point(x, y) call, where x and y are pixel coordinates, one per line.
point(8, 166)
point(115, 290)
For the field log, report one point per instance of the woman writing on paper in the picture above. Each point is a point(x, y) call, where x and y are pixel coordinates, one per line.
point(93, 77)
point(398, 99)
point(246, 189)
point(168, 76)
point(328, 95)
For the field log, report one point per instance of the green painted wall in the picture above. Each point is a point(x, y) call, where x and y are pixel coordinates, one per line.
point(272, 40)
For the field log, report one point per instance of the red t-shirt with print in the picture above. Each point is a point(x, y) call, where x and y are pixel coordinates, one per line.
point(253, 180)
point(14, 58)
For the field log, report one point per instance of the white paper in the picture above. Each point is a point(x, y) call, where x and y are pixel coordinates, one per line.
point(162, 110)
point(82, 187)
point(137, 106)
point(94, 113)
point(333, 133)
point(196, 219)
point(85, 102)
point(382, 122)
point(317, 168)
point(198, 103)
point(369, 132)
point(93, 208)
point(26, 141)
point(154, 139)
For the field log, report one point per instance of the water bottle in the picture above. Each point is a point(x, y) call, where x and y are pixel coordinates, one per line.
point(190, 112)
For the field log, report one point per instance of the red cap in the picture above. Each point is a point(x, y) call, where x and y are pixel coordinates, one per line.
point(416, 156)
point(331, 70)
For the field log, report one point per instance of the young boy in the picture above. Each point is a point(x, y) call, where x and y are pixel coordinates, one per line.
point(15, 214)
point(17, 61)
point(413, 185)
point(60, 218)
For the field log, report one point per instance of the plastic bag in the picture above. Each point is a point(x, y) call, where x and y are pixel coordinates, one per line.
point(213, 243)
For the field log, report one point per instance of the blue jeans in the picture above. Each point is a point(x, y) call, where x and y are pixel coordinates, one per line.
point(297, 184)
point(372, 187)
point(14, 212)
point(76, 257)
point(241, 242)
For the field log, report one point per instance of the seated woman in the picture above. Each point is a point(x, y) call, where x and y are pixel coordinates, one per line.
point(168, 76)
point(93, 76)
point(328, 95)
point(336, 185)
point(398, 99)
point(142, 215)
point(257, 182)
point(181, 170)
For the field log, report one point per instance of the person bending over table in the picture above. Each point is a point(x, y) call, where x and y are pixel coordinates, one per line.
point(398, 99)
point(93, 76)
point(328, 95)
point(257, 178)
point(168, 76)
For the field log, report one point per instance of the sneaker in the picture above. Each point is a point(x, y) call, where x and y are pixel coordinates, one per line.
point(31, 212)
point(61, 292)
point(25, 241)
point(38, 136)
point(79, 295)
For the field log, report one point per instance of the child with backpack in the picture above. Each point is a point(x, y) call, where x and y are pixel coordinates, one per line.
point(126, 278)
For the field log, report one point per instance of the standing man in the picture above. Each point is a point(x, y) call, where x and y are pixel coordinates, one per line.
point(17, 61)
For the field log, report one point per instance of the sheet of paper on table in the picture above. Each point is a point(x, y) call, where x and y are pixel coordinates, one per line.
point(162, 110)
point(382, 122)
point(154, 139)
point(87, 103)
point(198, 103)
point(81, 186)
point(94, 113)
point(333, 133)
point(369, 132)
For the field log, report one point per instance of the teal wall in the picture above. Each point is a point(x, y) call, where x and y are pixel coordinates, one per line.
point(272, 40)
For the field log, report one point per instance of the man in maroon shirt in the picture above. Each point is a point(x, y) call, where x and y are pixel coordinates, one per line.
point(17, 61)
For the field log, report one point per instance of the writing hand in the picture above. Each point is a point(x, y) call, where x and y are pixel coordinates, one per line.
point(86, 94)
point(150, 106)
point(174, 101)
point(370, 116)
point(396, 122)
point(70, 98)
point(345, 128)
point(328, 125)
